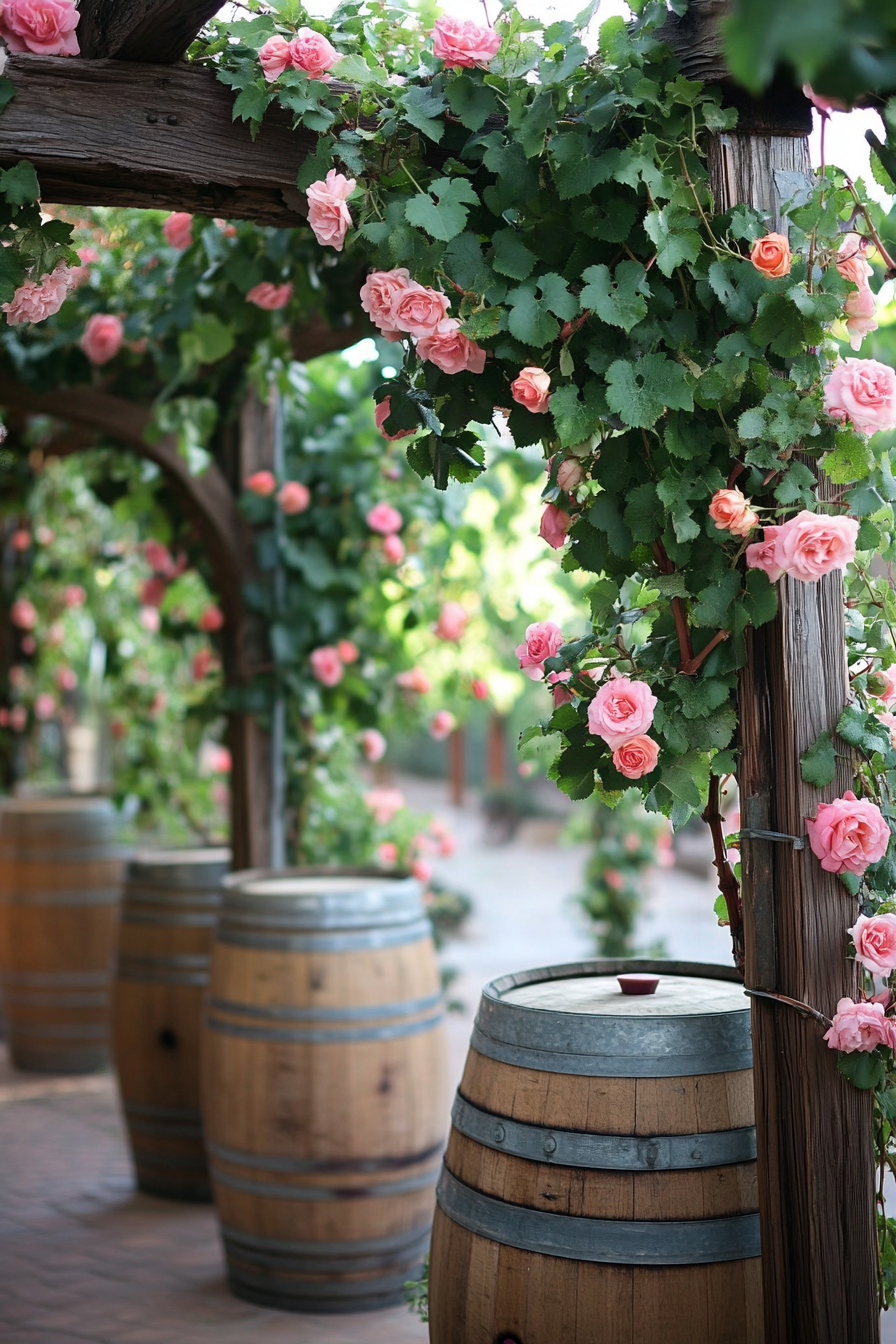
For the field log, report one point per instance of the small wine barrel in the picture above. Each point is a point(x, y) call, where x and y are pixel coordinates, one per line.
point(170, 906)
point(60, 885)
point(600, 1181)
point(323, 1086)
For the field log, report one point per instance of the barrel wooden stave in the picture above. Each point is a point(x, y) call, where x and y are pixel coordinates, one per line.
point(60, 882)
point(169, 911)
point(332, 1066)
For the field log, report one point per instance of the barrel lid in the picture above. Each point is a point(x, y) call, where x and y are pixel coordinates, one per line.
point(163, 858)
point(174, 869)
point(575, 1019)
point(320, 898)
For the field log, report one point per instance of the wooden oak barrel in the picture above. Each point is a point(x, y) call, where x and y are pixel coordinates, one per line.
point(600, 1181)
point(170, 906)
point(60, 885)
point(324, 1091)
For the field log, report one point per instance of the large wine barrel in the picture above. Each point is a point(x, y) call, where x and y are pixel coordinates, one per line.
point(600, 1180)
point(323, 1086)
point(60, 884)
point(170, 906)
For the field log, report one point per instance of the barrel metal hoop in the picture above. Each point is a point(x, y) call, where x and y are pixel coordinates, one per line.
point(44, 998)
point(363, 1293)
point(294, 1166)
point(398, 1243)
point(56, 979)
point(421, 1181)
point(612, 1065)
point(91, 1031)
point(52, 854)
point(606, 1241)
point(365, 940)
point(145, 893)
point(605, 1152)
point(143, 1158)
point(131, 915)
point(359, 1013)
point(311, 1036)
point(89, 896)
point(165, 970)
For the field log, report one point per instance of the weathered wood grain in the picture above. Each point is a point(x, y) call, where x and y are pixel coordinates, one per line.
point(141, 30)
point(156, 137)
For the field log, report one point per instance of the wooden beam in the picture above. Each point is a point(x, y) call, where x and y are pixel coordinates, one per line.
point(151, 136)
point(141, 30)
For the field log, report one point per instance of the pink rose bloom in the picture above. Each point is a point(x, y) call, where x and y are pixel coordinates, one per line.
point(555, 523)
point(859, 1027)
point(211, 620)
point(731, 512)
point(383, 518)
point(66, 678)
point(379, 292)
point(328, 214)
point(21, 539)
point(885, 678)
point(543, 639)
point(275, 57)
point(863, 391)
point(479, 688)
point(18, 676)
point(158, 557)
point(812, 544)
point(46, 27)
point(459, 42)
point(311, 52)
point(326, 665)
point(150, 619)
point(347, 651)
point(450, 350)
point(23, 614)
point(889, 722)
point(532, 389)
point(570, 474)
point(103, 337)
point(74, 595)
point(34, 302)
point(373, 744)
point(422, 870)
point(621, 710)
point(18, 717)
point(178, 230)
point(294, 497)
point(559, 688)
point(203, 662)
point(381, 415)
point(393, 548)
point(4, 718)
point(851, 261)
point(384, 803)
point(442, 725)
point(220, 761)
point(763, 554)
point(270, 297)
point(875, 940)
point(860, 310)
point(636, 757)
point(848, 834)
point(261, 483)
point(45, 706)
point(152, 592)
point(419, 309)
point(29, 645)
point(452, 622)
point(387, 853)
point(415, 679)
point(823, 103)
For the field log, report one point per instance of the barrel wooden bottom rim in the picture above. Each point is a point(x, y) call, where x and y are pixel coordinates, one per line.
point(607, 1241)
point(58, 1059)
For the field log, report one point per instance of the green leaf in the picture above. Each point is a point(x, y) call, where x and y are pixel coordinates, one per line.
point(447, 218)
point(606, 515)
point(482, 325)
point(620, 301)
point(316, 166)
point(12, 274)
point(353, 69)
point(818, 763)
point(714, 602)
point(471, 102)
point(640, 391)
point(7, 92)
point(577, 420)
point(720, 909)
point(851, 460)
point(556, 297)
point(864, 1069)
point(19, 184)
point(751, 425)
point(529, 320)
point(645, 514)
point(512, 256)
point(423, 109)
point(761, 598)
point(208, 340)
point(674, 241)
point(252, 102)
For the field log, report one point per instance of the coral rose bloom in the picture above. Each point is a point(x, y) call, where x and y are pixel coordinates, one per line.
point(383, 518)
point(875, 940)
point(532, 389)
point(442, 725)
point(621, 710)
point(294, 497)
point(863, 391)
point(859, 1027)
point(415, 679)
point(373, 744)
point(178, 230)
point(328, 214)
point(636, 757)
point(23, 614)
point(848, 835)
point(393, 548)
point(419, 309)
point(763, 554)
point(270, 297)
point(261, 483)
point(570, 474)
point(450, 350)
point(771, 255)
point(851, 261)
point(274, 57)
point(860, 311)
point(883, 684)
point(46, 27)
point(103, 338)
point(812, 544)
point(555, 523)
point(212, 619)
point(379, 292)
point(452, 622)
point(543, 640)
point(35, 302)
point(311, 52)
point(459, 42)
point(326, 665)
point(731, 512)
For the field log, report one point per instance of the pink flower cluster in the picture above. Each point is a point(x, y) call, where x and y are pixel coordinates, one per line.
point(308, 51)
point(36, 300)
point(293, 496)
point(848, 835)
point(46, 27)
point(860, 307)
point(462, 44)
point(452, 622)
point(860, 1027)
point(329, 661)
point(414, 679)
point(863, 392)
point(178, 230)
point(400, 306)
point(386, 520)
point(103, 338)
point(270, 297)
point(328, 214)
point(621, 713)
point(806, 547)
